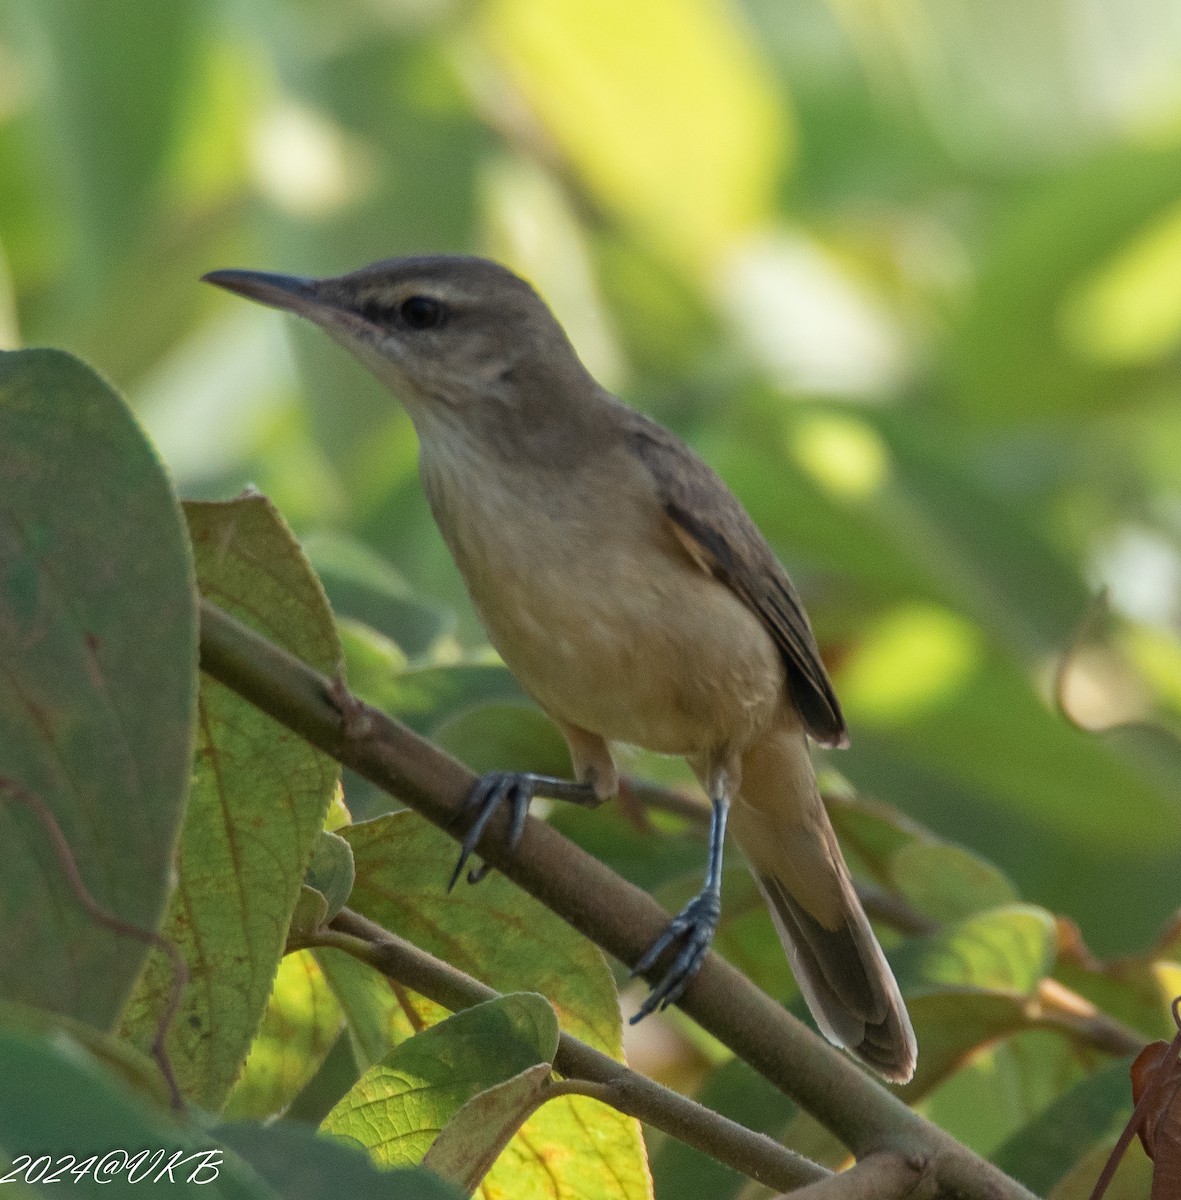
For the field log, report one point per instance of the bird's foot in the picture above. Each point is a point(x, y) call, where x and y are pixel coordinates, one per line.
point(693, 930)
point(517, 788)
point(487, 795)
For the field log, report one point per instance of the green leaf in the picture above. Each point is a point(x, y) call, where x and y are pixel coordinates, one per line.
point(571, 1148)
point(1009, 949)
point(137, 1071)
point(1044, 1150)
point(402, 869)
point(950, 1026)
point(331, 872)
point(573, 1145)
point(303, 1165)
point(56, 1101)
point(397, 1108)
point(310, 914)
point(299, 1027)
point(948, 883)
point(257, 805)
point(1020, 1075)
point(97, 682)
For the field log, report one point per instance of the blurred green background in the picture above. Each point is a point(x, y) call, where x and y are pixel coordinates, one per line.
point(908, 276)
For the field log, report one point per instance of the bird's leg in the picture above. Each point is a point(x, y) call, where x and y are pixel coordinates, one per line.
point(516, 788)
point(692, 929)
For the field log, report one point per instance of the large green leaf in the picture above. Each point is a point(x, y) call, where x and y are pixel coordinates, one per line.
point(97, 682)
point(402, 868)
point(572, 1144)
point(56, 1103)
point(476, 1135)
point(258, 800)
point(397, 1108)
point(1008, 949)
point(303, 1165)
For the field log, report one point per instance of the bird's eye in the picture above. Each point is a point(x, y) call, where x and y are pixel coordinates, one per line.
point(421, 312)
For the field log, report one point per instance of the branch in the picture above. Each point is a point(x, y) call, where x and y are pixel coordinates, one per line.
point(1055, 1006)
point(617, 916)
point(878, 1177)
point(588, 1071)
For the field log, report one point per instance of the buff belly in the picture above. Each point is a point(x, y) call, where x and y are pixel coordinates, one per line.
point(634, 643)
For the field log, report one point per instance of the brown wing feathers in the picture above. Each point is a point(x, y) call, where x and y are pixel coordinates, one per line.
point(720, 535)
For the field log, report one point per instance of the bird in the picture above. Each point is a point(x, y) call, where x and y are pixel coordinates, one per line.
point(634, 599)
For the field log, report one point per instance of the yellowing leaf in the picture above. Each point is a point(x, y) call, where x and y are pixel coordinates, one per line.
point(256, 806)
point(301, 1023)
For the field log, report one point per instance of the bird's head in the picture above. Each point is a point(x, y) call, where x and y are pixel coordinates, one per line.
point(444, 331)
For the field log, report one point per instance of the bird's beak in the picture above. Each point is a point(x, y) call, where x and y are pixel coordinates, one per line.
point(291, 292)
point(296, 294)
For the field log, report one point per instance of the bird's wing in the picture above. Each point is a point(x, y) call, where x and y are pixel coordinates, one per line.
point(719, 535)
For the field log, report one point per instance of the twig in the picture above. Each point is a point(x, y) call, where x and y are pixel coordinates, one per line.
point(108, 920)
point(586, 1070)
point(1067, 1012)
point(614, 914)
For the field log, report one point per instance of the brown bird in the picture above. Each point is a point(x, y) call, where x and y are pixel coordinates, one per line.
point(633, 598)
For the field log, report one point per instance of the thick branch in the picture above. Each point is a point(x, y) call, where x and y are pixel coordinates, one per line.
point(752, 1154)
point(619, 917)
point(1055, 1006)
point(878, 1177)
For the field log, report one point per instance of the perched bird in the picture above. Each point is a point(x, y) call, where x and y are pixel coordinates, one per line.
point(633, 598)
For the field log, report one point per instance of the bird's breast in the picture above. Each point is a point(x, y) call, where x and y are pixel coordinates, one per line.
point(595, 610)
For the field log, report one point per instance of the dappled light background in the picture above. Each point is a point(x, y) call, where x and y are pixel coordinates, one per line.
point(908, 276)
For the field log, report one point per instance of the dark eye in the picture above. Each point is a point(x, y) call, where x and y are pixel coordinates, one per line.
point(421, 312)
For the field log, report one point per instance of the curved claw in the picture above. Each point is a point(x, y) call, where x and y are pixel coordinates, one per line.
point(695, 925)
point(488, 794)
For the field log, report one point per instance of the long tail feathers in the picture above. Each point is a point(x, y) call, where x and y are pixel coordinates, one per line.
point(847, 983)
point(784, 831)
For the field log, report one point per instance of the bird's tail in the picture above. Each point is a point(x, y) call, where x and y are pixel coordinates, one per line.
point(780, 823)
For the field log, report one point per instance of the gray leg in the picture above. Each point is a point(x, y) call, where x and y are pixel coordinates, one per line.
point(693, 928)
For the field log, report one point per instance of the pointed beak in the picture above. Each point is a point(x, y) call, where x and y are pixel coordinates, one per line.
point(299, 295)
point(291, 292)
